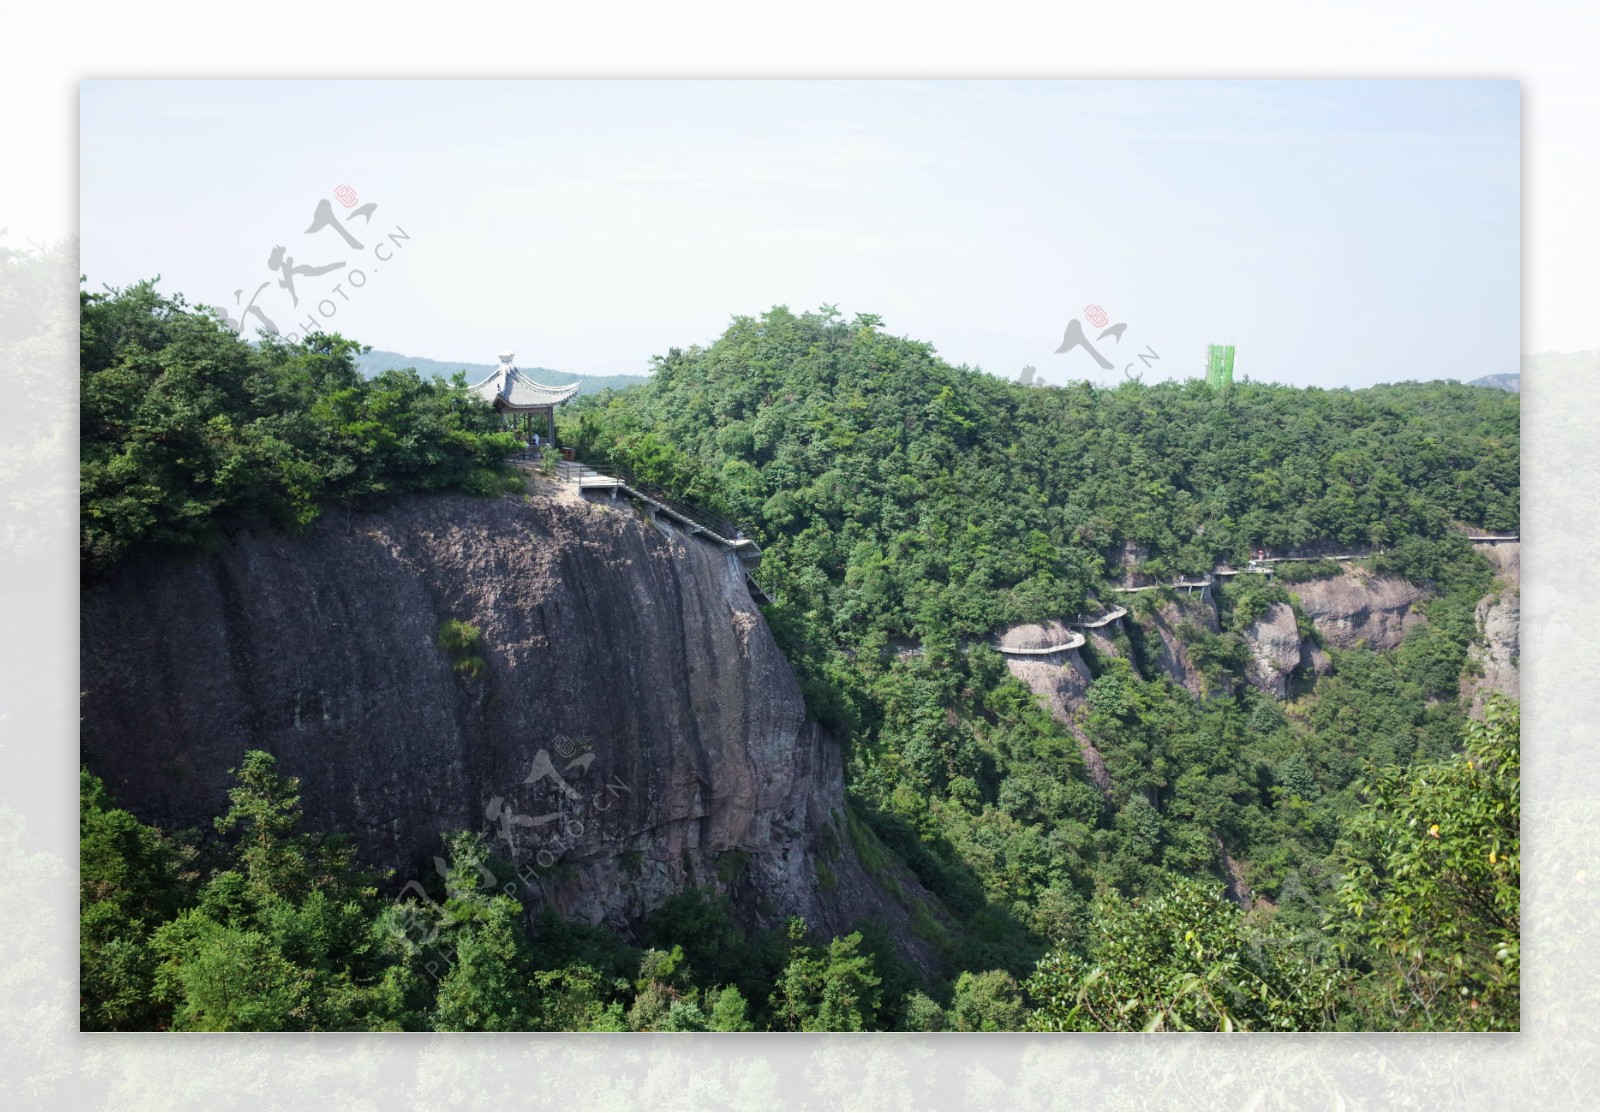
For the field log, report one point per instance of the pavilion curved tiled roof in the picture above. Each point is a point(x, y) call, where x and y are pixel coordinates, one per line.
point(509, 388)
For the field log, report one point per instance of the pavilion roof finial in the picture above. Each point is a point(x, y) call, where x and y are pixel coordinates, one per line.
point(509, 389)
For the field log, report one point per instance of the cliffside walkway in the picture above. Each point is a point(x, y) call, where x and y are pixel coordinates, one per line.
point(1104, 620)
point(1205, 583)
point(1073, 642)
point(1262, 566)
point(693, 520)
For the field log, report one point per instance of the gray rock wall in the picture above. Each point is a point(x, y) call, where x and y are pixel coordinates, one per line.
point(1354, 608)
point(1274, 644)
point(1061, 681)
point(635, 729)
point(1171, 651)
point(1498, 651)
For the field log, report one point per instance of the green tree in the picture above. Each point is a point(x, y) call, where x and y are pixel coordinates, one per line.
point(222, 978)
point(486, 985)
point(266, 809)
point(1183, 960)
point(729, 1011)
point(923, 1014)
point(187, 432)
point(289, 936)
point(832, 989)
point(129, 883)
point(987, 1002)
point(1430, 903)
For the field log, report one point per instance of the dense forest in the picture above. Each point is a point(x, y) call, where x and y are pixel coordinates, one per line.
point(900, 503)
point(186, 432)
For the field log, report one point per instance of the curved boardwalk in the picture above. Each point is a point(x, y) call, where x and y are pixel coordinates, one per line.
point(1095, 623)
point(1072, 642)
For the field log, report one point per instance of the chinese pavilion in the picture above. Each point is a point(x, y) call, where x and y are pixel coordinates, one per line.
point(511, 392)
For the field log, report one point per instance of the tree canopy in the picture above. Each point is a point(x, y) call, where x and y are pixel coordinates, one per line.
point(188, 432)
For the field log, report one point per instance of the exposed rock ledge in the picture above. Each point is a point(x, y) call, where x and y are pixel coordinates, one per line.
point(1275, 650)
point(1497, 651)
point(1352, 608)
point(1173, 656)
point(1061, 680)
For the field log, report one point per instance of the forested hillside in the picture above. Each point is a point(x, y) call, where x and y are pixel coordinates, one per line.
point(906, 497)
point(1344, 857)
point(903, 502)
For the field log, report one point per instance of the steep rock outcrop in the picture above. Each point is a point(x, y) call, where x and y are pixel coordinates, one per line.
point(1314, 658)
point(1131, 560)
point(1037, 637)
point(1495, 656)
point(1061, 680)
point(633, 730)
point(1171, 652)
point(1505, 557)
point(1275, 650)
point(1353, 608)
point(1102, 641)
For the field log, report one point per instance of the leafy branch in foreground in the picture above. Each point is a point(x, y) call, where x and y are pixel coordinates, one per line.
point(1431, 900)
point(1184, 960)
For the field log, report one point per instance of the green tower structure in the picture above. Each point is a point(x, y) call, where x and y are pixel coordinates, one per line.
point(1219, 364)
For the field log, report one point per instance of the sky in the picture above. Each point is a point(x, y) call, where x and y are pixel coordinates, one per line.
point(1338, 233)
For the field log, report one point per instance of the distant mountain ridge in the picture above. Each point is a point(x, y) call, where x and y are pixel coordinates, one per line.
point(374, 363)
point(1511, 381)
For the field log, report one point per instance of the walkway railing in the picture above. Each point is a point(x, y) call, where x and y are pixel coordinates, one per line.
point(1074, 641)
point(1186, 584)
point(1095, 623)
point(710, 519)
point(694, 518)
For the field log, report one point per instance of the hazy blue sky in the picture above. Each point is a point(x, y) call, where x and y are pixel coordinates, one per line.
point(1339, 233)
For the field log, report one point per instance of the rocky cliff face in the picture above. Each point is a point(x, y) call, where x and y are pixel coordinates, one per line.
point(1172, 652)
point(1061, 681)
point(1497, 653)
point(1498, 650)
point(1505, 557)
point(631, 730)
point(1352, 608)
point(1275, 650)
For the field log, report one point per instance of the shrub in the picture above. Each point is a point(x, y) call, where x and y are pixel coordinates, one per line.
point(456, 636)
